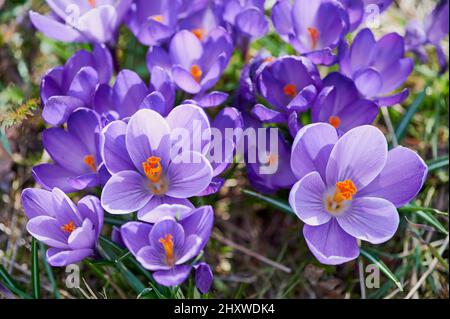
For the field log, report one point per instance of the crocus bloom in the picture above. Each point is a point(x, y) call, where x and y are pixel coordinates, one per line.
point(434, 29)
point(130, 93)
point(195, 66)
point(349, 188)
point(359, 10)
point(377, 67)
point(290, 84)
point(314, 28)
point(66, 88)
point(146, 170)
point(82, 21)
point(71, 231)
point(340, 104)
point(77, 162)
point(203, 277)
point(167, 246)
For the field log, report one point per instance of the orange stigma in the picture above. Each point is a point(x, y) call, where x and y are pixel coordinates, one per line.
point(69, 227)
point(290, 90)
point(196, 72)
point(335, 121)
point(90, 162)
point(268, 59)
point(92, 3)
point(153, 169)
point(158, 18)
point(272, 159)
point(314, 36)
point(344, 191)
point(199, 33)
point(167, 243)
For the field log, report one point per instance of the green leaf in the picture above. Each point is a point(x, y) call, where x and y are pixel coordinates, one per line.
point(400, 132)
point(49, 272)
point(426, 216)
point(277, 203)
point(437, 163)
point(35, 280)
point(382, 266)
point(114, 221)
point(11, 285)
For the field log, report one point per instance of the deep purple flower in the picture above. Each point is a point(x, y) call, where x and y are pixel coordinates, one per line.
point(432, 31)
point(340, 104)
point(203, 277)
point(77, 162)
point(377, 67)
point(82, 21)
point(290, 84)
point(130, 93)
point(195, 66)
point(66, 88)
point(71, 231)
point(149, 162)
point(170, 244)
point(314, 28)
point(349, 188)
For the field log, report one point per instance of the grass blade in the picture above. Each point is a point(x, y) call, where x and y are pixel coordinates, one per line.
point(426, 216)
point(11, 285)
point(49, 272)
point(409, 209)
point(437, 163)
point(382, 266)
point(400, 132)
point(279, 204)
point(35, 280)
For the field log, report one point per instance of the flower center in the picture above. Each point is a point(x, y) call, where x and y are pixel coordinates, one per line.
point(199, 33)
point(69, 227)
point(90, 162)
point(314, 36)
point(335, 121)
point(290, 90)
point(91, 3)
point(196, 72)
point(158, 18)
point(167, 243)
point(344, 191)
point(153, 169)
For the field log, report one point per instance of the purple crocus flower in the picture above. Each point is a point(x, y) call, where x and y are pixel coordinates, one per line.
point(359, 10)
point(71, 231)
point(167, 246)
point(82, 21)
point(203, 277)
point(290, 84)
point(314, 28)
point(195, 66)
point(150, 164)
point(349, 188)
point(66, 88)
point(377, 67)
point(340, 104)
point(77, 162)
point(432, 31)
point(130, 93)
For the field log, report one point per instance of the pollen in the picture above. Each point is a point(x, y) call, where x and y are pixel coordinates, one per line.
point(153, 169)
point(92, 3)
point(196, 72)
point(90, 162)
point(314, 36)
point(69, 227)
point(268, 59)
point(272, 159)
point(290, 90)
point(167, 243)
point(335, 121)
point(199, 33)
point(158, 18)
point(344, 191)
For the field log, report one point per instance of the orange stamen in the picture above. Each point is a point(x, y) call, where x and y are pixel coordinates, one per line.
point(90, 162)
point(92, 3)
point(268, 59)
point(167, 243)
point(199, 33)
point(69, 227)
point(153, 169)
point(335, 121)
point(272, 160)
point(314, 35)
point(158, 18)
point(290, 90)
point(196, 72)
point(344, 191)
